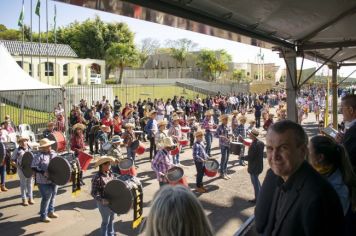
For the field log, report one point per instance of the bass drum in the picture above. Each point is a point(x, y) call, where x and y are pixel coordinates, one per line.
point(121, 193)
point(59, 170)
point(60, 141)
point(26, 164)
point(235, 148)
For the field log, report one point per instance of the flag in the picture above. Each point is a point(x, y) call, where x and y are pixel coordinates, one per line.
point(21, 17)
point(38, 7)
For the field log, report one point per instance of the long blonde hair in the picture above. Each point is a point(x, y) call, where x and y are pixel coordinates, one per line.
point(176, 211)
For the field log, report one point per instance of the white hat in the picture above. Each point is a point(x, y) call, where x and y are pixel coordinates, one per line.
point(168, 142)
point(103, 160)
point(22, 137)
point(45, 142)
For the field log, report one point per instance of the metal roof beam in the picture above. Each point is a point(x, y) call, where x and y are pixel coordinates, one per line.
point(348, 58)
point(347, 64)
point(183, 10)
point(322, 45)
point(339, 17)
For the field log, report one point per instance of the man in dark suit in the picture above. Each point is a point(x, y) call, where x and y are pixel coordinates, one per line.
point(348, 109)
point(255, 161)
point(298, 200)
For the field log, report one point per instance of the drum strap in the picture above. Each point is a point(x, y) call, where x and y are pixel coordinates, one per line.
point(137, 206)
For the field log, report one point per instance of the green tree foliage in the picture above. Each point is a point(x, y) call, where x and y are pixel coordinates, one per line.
point(121, 55)
point(213, 63)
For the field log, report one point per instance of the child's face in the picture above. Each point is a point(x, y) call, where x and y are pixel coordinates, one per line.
point(199, 138)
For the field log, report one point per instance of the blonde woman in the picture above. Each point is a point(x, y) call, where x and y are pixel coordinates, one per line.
point(176, 211)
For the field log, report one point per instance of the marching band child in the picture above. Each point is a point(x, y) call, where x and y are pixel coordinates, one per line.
point(199, 156)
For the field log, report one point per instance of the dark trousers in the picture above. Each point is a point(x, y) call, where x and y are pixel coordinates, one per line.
point(92, 141)
point(153, 149)
point(191, 138)
point(258, 121)
point(200, 173)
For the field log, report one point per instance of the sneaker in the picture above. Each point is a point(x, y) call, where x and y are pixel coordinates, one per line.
point(45, 220)
point(221, 176)
point(200, 190)
point(31, 201)
point(24, 202)
point(226, 177)
point(204, 189)
point(52, 215)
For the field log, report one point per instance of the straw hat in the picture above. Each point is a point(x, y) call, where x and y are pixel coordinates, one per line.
point(223, 117)
point(235, 112)
point(168, 142)
point(175, 117)
point(242, 119)
point(22, 137)
point(192, 118)
point(116, 139)
point(152, 112)
point(104, 159)
point(253, 132)
point(179, 111)
point(45, 142)
point(199, 133)
point(105, 128)
point(78, 126)
point(162, 123)
point(129, 125)
point(128, 112)
point(209, 113)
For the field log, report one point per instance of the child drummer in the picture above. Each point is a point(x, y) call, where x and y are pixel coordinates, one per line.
point(129, 137)
point(199, 156)
point(115, 151)
point(193, 125)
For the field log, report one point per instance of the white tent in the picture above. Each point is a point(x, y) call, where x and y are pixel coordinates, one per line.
point(14, 78)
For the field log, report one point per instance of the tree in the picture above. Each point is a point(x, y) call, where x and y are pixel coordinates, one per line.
point(147, 47)
point(213, 63)
point(238, 75)
point(179, 50)
point(121, 55)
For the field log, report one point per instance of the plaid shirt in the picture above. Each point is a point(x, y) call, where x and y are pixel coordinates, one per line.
point(98, 183)
point(40, 162)
point(240, 130)
point(162, 162)
point(223, 130)
point(175, 131)
point(208, 123)
point(199, 153)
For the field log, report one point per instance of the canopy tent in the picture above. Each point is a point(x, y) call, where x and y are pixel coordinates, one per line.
point(14, 78)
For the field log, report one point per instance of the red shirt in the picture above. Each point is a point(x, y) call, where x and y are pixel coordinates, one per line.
point(117, 125)
point(107, 121)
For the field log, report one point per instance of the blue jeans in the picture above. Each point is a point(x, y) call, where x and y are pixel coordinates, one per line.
point(130, 153)
point(208, 140)
point(176, 159)
point(107, 217)
point(3, 174)
point(225, 152)
point(25, 185)
point(200, 173)
point(48, 193)
point(256, 184)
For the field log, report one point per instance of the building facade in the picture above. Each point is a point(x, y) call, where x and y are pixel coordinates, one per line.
point(55, 64)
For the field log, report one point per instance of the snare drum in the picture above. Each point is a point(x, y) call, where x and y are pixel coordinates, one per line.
point(141, 149)
point(185, 129)
point(60, 141)
point(211, 167)
point(106, 146)
point(235, 148)
point(127, 167)
point(175, 151)
point(247, 142)
point(175, 175)
point(184, 142)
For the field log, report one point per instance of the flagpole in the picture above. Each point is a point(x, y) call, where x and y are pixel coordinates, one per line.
point(39, 42)
point(23, 31)
point(47, 42)
point(31, 47)
point(55, 44)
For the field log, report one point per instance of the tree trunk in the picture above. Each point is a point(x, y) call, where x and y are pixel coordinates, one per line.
point(121, 73)
point(107, 72)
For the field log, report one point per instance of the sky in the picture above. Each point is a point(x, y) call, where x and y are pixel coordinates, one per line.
point(10, 11)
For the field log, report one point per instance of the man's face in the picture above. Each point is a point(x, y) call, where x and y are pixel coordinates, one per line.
point(347, 111)
point(283, 154)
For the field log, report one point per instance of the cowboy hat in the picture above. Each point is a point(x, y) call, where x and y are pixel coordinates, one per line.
point(208, 113)
point(105, 128)
point(242, 118)
point(45, 142)
point(253, 132)
point(175, 117)
point(22, 137)
point(192, 118)
point(128, 112)
point(168, 142)
point(235, 112)
point(199, 133)
point(162, 123)
point(104, 159)
point(116, 139)
point(129, 125)
point(78, 126)
point(179, 111)
point(152, 112)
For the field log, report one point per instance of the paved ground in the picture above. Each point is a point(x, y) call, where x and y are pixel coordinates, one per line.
point(225, 202)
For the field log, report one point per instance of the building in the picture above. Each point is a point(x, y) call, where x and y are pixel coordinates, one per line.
point(257, 71)
point(63, 67)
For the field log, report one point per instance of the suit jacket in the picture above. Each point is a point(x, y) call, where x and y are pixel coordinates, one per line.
point(311, 206)
point(255, 157)
point(349, 142)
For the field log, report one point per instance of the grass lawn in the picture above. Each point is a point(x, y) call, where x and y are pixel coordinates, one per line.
point(144, 92)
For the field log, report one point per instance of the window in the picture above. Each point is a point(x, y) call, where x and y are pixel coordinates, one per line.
point(49, 69)
point(65, 70)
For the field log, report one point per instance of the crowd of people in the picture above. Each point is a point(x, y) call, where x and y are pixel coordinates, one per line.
point(308, 181)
